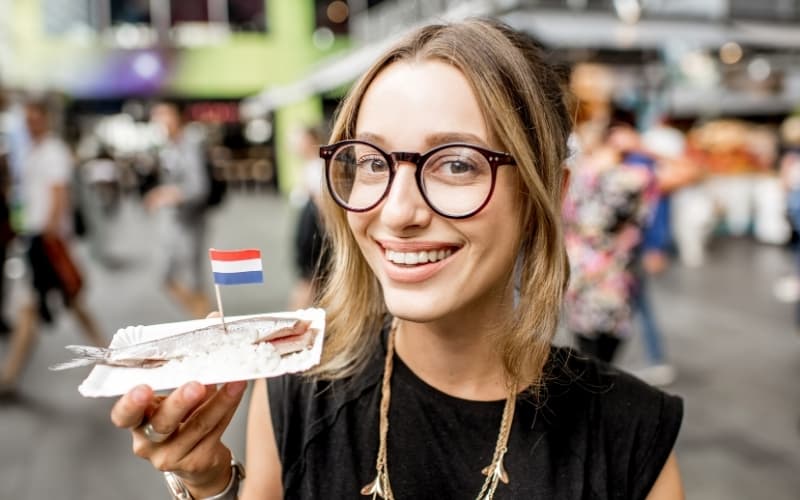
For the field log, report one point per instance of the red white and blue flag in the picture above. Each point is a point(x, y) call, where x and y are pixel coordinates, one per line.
point(236, 267)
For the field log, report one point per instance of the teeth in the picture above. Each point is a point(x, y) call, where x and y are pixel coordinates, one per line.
point(421, 257)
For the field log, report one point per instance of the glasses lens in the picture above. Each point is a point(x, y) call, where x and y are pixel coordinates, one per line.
point(359, 175)
point(457, 180)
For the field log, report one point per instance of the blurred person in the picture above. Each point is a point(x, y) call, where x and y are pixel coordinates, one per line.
point(434, 381)
point(179, 202)
point(309, 235)
point(651, 258)
point(45, 178)
point(606, 210)
point(6, 234)
point(689, 209)
point(667, 147)
point(6, 228)
point(662, 149)
point(788, 289)
point(770, 224)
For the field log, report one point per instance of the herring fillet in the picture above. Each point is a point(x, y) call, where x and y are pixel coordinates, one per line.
point(295, 333)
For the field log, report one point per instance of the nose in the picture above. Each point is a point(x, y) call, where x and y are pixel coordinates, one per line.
point(404, 206)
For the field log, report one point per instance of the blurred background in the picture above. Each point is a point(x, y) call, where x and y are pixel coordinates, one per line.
point(709, 88)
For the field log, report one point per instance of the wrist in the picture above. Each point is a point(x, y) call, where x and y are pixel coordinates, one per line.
point(210, 488)
point(223, 487)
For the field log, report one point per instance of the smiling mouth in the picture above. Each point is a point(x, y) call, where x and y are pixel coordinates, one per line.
point(417, 258)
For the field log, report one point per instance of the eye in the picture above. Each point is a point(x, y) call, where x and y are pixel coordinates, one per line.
point(457, 167)
point(453, 165)
point(372, 164)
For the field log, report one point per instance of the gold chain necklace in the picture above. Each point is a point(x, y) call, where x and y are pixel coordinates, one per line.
point(494, 472)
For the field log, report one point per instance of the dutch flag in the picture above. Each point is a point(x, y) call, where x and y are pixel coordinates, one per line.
point(236, 267)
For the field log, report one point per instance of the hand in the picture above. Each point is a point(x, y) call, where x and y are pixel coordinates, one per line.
point(162, 196)
point(195, 417)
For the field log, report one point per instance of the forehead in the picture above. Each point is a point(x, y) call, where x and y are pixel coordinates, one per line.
point(410, 104)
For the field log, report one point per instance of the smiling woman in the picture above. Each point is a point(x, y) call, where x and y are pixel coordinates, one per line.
point(444, 182)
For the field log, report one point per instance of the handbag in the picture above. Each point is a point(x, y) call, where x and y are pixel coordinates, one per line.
point(69, 276)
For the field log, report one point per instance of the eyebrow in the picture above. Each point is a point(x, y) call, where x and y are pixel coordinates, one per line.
point(431, 140)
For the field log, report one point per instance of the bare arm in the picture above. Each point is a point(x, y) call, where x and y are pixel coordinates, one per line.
point(675, 173)
point(58, 208)
point(668, 484)
point(263, 464)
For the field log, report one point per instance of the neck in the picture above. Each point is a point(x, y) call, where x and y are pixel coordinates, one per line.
point(455, 357)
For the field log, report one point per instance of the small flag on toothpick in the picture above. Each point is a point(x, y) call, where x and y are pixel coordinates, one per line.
point(235, 267)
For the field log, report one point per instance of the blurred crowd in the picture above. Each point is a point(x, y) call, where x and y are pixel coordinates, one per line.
point(57, 188)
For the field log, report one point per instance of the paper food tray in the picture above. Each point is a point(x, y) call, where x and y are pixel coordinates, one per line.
point(216, 368)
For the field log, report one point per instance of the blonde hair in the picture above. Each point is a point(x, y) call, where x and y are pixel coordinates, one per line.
point(523, 103)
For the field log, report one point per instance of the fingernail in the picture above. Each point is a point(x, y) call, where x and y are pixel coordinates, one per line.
point(140, 395)
point(192, 391)
point(235, 388)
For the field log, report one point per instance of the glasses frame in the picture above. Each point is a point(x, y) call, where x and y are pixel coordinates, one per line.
point(495, 158)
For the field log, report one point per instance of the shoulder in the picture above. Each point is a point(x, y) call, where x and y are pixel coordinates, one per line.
point(613, 421)
point(54, 145)
point(614, 398)
point(193, 139)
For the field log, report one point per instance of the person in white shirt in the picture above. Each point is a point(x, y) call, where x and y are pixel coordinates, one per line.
point(44, 193)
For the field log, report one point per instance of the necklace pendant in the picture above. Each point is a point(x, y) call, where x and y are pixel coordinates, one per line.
point(496, 471)
point(375, 488)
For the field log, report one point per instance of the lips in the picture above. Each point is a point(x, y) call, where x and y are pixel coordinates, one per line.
point(415, 262)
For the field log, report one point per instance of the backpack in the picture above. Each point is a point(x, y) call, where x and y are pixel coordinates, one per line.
point(217, 187)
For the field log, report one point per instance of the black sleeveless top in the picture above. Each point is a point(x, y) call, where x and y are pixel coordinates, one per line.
point(596, 433)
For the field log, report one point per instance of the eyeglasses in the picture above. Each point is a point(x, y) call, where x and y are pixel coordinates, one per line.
point(456, 180)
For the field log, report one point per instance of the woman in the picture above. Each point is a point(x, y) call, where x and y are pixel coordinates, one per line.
point(461, 380)
point(610, 200)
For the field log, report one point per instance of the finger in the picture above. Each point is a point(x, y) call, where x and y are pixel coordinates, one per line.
point(203, 455)
point(206, 424)
point(217, 431)
point(208, 416)
point(211, 391)
point(213, 314)
point(177, 407)
point(129, 410)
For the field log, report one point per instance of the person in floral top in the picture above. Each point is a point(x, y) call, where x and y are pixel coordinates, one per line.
point(610, 198)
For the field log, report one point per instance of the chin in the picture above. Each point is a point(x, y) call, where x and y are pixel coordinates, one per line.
point(415, 305)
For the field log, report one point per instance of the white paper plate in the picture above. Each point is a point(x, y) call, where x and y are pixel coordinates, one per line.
point(107, 381)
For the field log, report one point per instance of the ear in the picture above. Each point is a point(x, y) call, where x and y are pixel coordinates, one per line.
point(565, 182)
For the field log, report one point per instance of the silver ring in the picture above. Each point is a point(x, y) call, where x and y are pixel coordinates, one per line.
point(153, 435)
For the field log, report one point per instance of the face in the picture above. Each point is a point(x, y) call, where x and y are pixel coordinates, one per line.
point(413, 107)
point(167, 117)
point(36, 121)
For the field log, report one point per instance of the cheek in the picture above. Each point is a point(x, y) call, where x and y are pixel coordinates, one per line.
point(509, 215)
point(358, 227)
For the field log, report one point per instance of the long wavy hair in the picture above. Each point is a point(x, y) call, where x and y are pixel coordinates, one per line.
point(523, 103)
